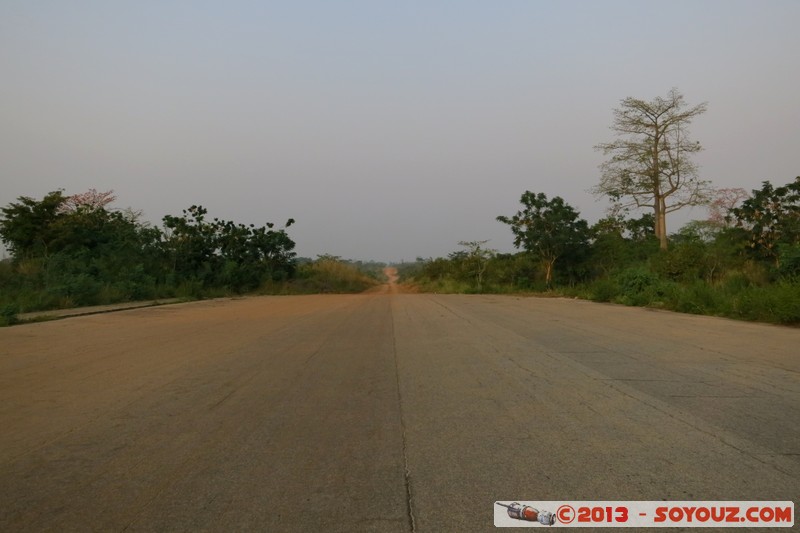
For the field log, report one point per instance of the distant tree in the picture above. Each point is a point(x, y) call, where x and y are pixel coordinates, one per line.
point(617, 242)
point(771, 218)
point(329, 257)
point(76, 250)
point(548, 229)
point(73, 248)
point(608, 243)
point(642, 228)
point(90, 200)
point(477, 259)
point(191, 243)
point(650, 164)
point(722, 202)
point(28, 227)
point(705, 249)
point(698, 230)
point(221, 252)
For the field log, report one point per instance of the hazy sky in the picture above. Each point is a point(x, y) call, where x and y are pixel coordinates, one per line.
point(389, 130)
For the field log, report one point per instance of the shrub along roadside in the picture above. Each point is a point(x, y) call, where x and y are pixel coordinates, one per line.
point(777, 303)
point(326, 275)
point(745, 292)
point(8, 315)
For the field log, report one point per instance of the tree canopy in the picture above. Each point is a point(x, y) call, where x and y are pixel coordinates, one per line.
point(650, 163)
point(78, 248)
point(548, 229)
point(28, 227)
point(771, 219)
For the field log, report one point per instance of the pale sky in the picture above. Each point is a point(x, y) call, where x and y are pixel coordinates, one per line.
point(388, 130)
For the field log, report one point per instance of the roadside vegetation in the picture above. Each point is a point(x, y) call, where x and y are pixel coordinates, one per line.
point(743, 261)
point(327, 274)
point(72, 251)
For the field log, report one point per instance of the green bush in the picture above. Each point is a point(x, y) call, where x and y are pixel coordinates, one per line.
point(779, 303)
point(8, 315)
point(698, 298)
point(604, 290)
point(735, 281)
point(790, 262)
point(636, 280)
point(447, 286)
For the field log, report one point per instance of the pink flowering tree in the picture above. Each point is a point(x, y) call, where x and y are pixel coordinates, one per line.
point(91, 200)
point(722, 202)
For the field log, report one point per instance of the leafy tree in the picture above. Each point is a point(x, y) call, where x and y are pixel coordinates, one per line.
point(642, 228)
point(686, 259)
point(223, 252)
point(771, 218)
point(28, 227)
point(548, 229)
point(437, 269)
point(72, 248)
point(514, 270)
point(650, 164)
point(77, 250)
point(617, 242)
point(608, 244)
point(191, 243)
point(477, 258)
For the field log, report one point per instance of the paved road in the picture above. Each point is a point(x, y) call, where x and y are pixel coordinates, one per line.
point(385, 412)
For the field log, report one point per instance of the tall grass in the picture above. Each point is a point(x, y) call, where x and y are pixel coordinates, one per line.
point(323, 276)
point(24, 288)
point(741, 295)
point(746, 293)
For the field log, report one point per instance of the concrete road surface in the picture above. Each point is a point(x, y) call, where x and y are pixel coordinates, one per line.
point(385, 412)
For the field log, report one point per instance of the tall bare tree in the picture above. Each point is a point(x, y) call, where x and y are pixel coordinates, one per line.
point(650, 164)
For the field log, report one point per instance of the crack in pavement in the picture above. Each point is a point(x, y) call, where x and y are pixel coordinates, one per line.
point(406, 470)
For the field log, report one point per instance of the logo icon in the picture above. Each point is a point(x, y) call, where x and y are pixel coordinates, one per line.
point(529, 514)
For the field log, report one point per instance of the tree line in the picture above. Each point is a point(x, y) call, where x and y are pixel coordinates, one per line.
point(743, 261)
point(77, 250)
point(743, 264)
